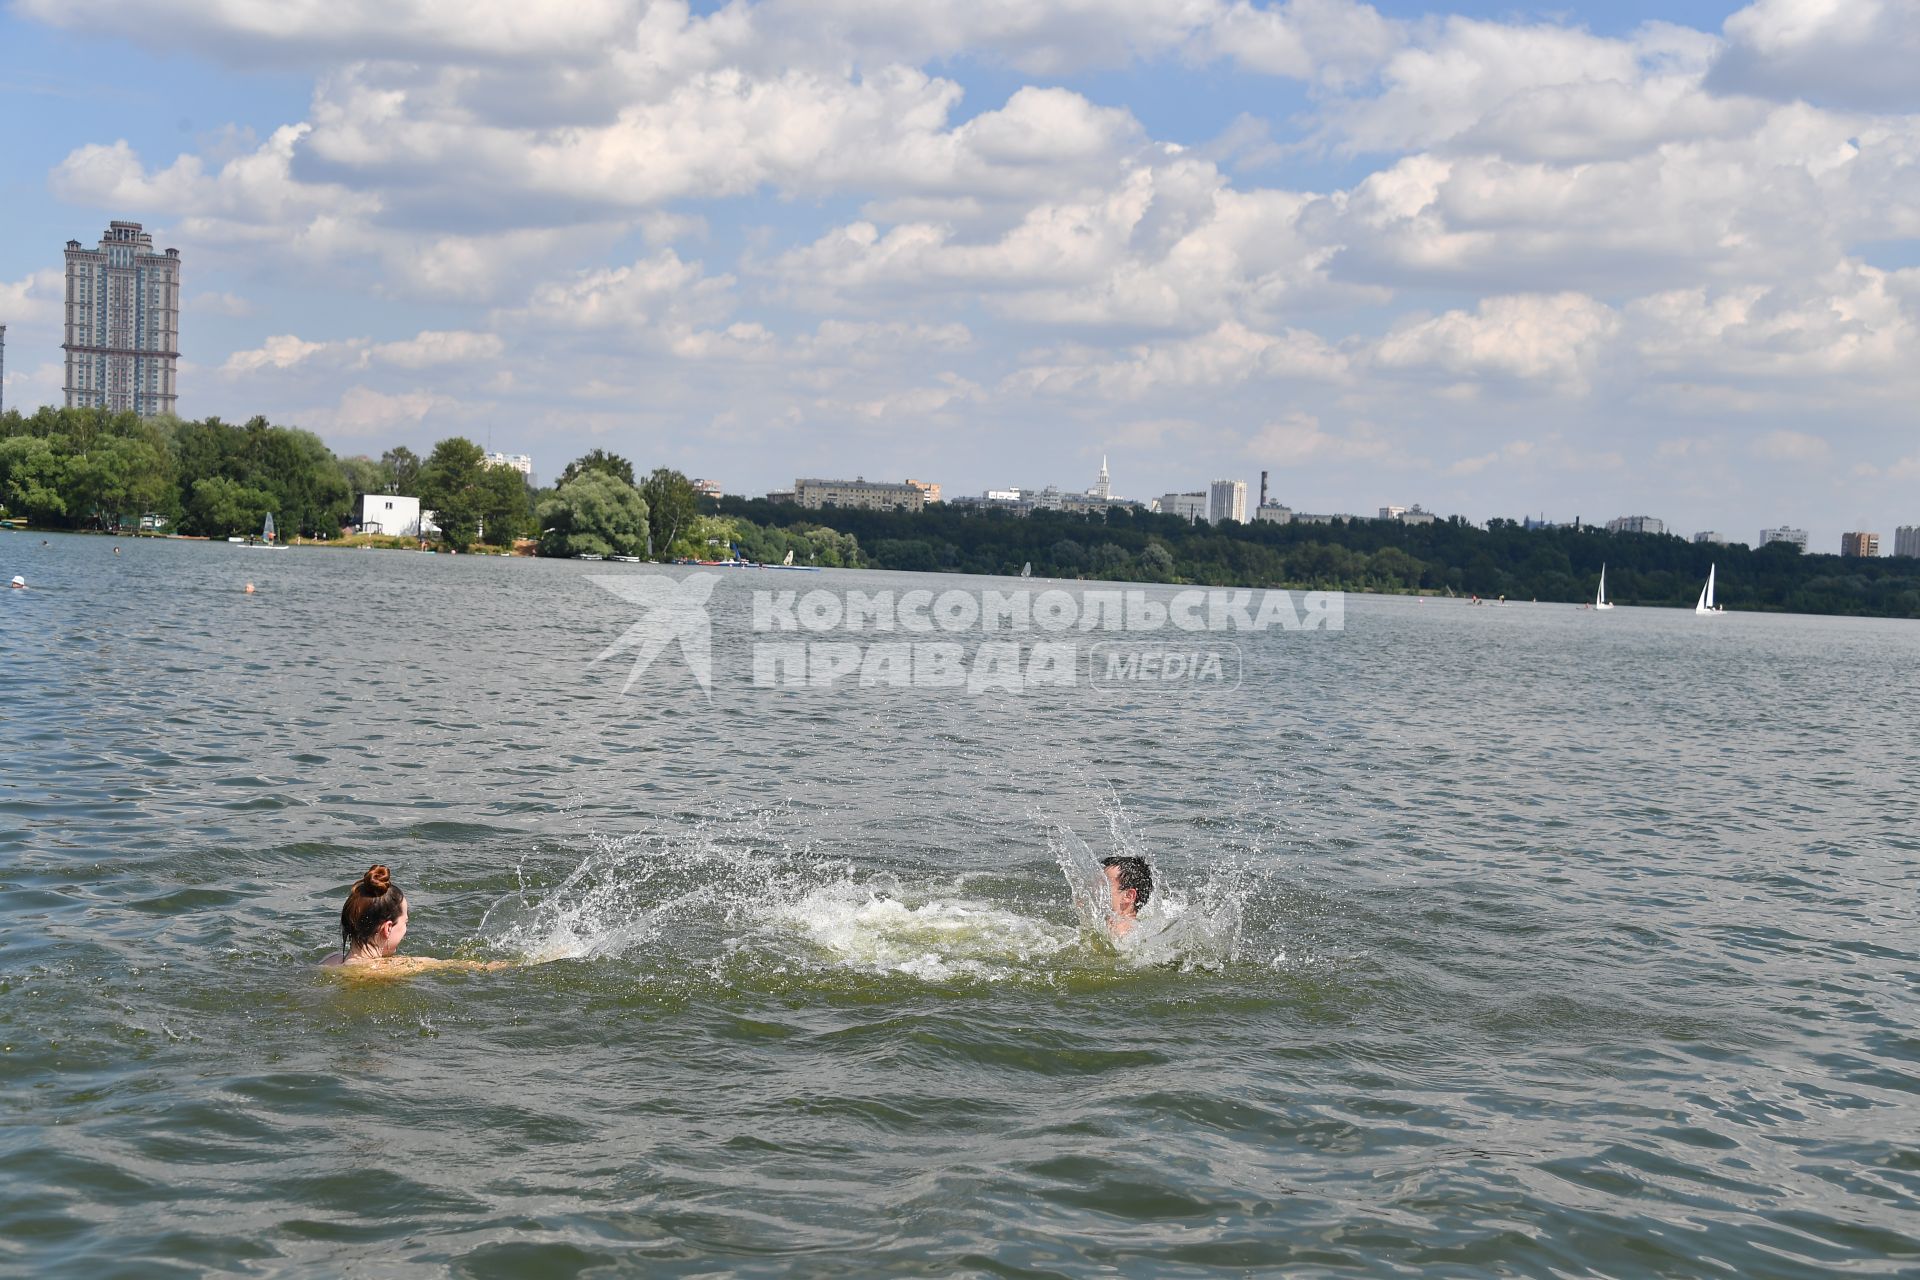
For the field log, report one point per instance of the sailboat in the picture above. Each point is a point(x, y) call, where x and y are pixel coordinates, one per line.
point(1600, 601)
point(267, 538)
point(1026, 570)
point(788, 562)
point(1705, 604)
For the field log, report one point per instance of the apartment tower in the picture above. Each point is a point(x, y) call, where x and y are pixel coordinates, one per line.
point(123, 323)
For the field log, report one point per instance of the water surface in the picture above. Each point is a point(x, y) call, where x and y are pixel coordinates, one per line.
point(1524, 941)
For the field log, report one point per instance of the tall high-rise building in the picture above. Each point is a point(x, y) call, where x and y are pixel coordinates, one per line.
point(1103, 487)
point(1227, 500)
point(1797, 538)
point(1859, 544)
point(1906, 540)
point(123, 323)
point(521, 462)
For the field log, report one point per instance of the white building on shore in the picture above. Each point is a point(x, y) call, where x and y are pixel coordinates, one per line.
point(395, 516)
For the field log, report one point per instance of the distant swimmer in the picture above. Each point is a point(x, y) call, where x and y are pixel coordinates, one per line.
point(373, 923)
point(19, 583)
point(1129, 885)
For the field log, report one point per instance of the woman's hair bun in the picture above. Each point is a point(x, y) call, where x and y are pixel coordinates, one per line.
point(377, 880)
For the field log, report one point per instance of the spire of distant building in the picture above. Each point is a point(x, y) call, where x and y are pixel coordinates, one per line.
point(1103, 488)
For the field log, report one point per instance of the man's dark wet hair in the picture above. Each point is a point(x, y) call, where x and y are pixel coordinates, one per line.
point(1134, 875)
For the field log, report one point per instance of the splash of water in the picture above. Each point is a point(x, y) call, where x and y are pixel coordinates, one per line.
point(733, 886)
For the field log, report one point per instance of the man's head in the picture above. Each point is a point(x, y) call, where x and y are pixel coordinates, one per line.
point(1130, 881)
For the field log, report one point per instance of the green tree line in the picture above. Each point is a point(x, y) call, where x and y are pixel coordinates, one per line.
point(86, 469)
point(1447, 556)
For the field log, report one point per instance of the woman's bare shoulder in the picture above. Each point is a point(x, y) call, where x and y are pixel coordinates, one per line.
point(406, 966)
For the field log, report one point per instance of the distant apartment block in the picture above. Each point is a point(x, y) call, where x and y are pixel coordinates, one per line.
point(1188, 506)
point(709, 488)
point(929, 490)
point(123, 323)
point(1906, 540)
point(1859, 544)
point(1414, 514)
point(1636, 524)
point(858, 494)
point(1227, 500)
point(521, 462)
point(1797, 537)
point(1273, 513)
point(1392, 513)
point(1708, 537)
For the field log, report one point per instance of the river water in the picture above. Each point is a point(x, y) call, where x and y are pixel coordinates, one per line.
point(1489, 941)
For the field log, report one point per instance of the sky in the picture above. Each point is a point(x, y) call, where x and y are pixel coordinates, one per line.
point(1586, 261)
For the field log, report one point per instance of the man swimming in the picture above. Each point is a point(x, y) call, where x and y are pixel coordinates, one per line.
point(1129, 886)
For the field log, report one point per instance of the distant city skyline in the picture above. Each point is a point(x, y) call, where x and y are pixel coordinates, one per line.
point(1596, 260)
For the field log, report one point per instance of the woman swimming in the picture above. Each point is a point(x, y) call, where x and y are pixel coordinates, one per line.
point(373, 923)
point(373, 920)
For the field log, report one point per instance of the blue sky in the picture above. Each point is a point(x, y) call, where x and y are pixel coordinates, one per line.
point(1591, 260)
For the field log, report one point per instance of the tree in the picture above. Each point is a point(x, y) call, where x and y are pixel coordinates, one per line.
point(1109, 560)
point(123, 476)
point(219, 507)
point(595, 513)
point(1156, 563)
point(505, 504)
point(451, 483)
point(32, 476)
point(670, 508)
point(600, 460)
point(364, 476)
point(401, 467)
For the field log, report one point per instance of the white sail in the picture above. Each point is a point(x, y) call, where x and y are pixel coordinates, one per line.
point(1026, 570)
point(1705, 603)
point(266, 531)
point(789, 559)
point(1600, 600)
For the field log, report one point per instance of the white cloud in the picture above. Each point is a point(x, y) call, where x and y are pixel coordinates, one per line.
point(363, 412)
point(350, 28)
point(1297, 440)
point(1229, 355)
point(1859, 53)
point(283, 351)
point(906, 406)
point(1792, 446)
point(654, 292)
point(36, 299)
point(231, 305)
point(1542, 338)
point(1512, 451)
point(432, 347)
